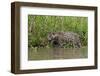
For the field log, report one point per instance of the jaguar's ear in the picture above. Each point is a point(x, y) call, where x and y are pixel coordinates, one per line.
point(53, 33)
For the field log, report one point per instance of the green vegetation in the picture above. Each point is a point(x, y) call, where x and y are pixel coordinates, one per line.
point(39, 26)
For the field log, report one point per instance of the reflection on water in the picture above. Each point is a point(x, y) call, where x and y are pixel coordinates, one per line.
point(57, 53)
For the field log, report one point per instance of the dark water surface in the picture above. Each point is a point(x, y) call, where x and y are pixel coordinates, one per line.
point(57, 53)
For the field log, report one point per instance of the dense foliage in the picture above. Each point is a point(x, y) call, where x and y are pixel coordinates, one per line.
point(39, 26)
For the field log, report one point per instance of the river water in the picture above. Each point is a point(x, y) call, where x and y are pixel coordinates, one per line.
point(57, 53)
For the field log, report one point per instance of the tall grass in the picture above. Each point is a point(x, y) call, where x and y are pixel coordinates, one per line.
point(39, 26)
